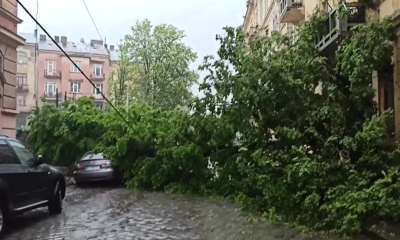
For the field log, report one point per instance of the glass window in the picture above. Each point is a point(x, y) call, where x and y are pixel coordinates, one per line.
point(22, 58)
point(6, 156)
point(24, 155)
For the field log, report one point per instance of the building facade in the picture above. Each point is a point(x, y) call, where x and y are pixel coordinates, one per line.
point(285, 15)
point(25, 79)
point(9, 42)
point(59, 79)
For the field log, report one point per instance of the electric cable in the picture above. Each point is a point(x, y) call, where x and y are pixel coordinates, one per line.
point(70, 59)
point(90, 15)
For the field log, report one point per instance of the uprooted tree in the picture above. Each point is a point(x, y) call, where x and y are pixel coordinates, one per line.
point(261, 134)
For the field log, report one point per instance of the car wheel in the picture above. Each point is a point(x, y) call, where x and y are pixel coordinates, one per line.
point(3, 219)
point(55, 203)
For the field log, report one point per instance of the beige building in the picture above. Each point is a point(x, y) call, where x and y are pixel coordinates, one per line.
point(285, 15)
point(9, 41)
point(25, 79)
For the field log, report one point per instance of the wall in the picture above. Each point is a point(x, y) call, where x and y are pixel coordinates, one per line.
point(28, 69)
point(9, 41)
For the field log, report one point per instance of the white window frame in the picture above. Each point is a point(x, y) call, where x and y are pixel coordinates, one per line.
point(51, 67)
point(75, 87)
point(50, 89)
point(73, 69)
point(98, 70)
point(24, 57)
point(96, 93)
point(21, 101)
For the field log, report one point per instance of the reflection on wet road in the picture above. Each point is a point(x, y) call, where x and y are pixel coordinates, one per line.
point(116, 213)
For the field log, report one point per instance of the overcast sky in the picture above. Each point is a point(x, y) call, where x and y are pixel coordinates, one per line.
point(200, 19)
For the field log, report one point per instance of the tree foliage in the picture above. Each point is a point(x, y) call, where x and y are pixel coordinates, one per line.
point(63, 134)
point(162, 65)
point(260, 135)
point(121, 78)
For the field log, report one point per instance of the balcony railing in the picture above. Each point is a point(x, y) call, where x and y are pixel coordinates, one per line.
point(97, 96)
point(52, 74)
point(53, 95)
point(291, 11)
point(335, 26)
point(98, 77)
point(22, 87)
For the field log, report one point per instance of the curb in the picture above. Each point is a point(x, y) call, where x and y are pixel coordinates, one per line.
point(371, 234)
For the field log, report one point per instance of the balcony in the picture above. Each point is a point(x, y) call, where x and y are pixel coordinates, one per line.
point(97, 77)
point(97, 96)
point(21, 88)
point(52, 74)
point(335, 28)
point(291, 11)
point(52, 95)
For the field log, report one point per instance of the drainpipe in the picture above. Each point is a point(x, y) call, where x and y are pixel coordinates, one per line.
point(36, 69)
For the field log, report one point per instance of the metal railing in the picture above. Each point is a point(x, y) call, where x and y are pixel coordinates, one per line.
point(333, 25)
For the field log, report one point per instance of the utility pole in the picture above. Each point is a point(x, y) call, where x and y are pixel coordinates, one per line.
point(56, 97)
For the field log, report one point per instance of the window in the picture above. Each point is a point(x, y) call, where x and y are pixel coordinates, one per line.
point(50, 89)
point(98, 89)
point(75, 87)
point(51, 67)
point(21, 101)
point(98, 69)
point(74, 69)
point(22, 58)
point(99, 105)
point(6, 156)
point(24, 155)
point(21, 79)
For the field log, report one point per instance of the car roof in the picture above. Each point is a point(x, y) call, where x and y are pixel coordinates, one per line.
point(6, 137)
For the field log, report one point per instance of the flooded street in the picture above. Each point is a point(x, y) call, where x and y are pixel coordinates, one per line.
point(97, 212)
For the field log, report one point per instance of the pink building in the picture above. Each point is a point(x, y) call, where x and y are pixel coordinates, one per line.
point(56, 73)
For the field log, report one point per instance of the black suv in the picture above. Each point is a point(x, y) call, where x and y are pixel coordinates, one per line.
point(26, 183)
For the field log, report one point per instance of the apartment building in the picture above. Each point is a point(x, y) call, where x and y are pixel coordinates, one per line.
point(59, 79)
point(284, 15)
point(9, 42)
point(25, 79)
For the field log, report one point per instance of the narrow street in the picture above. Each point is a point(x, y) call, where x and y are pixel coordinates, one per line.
point(115, 213)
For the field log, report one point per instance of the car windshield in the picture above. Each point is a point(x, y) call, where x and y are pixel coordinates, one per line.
point(92, 155)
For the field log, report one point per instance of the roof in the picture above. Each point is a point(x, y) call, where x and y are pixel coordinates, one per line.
point(71, 47)
point(29, 38)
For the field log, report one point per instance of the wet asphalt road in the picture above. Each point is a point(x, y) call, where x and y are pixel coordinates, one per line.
point(106, 212)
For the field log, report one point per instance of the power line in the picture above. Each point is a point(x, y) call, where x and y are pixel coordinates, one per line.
point(90, 15)
point(70, 59)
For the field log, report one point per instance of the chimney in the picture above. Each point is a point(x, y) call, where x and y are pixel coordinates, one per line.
point(42, 38)
point(57, 38)
point(97, 43)
point(64, 40)
point(35, 33)
point(111, 47)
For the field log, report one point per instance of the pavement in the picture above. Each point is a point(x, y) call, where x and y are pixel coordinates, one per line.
point(110, 212)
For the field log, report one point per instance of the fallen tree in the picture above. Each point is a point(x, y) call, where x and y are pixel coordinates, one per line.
point(261, 135)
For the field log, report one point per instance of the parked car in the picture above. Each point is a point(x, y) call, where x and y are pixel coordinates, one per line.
point(26, 182)
point(93, 167)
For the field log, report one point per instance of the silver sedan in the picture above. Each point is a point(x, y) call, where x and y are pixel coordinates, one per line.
point(94, 167)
